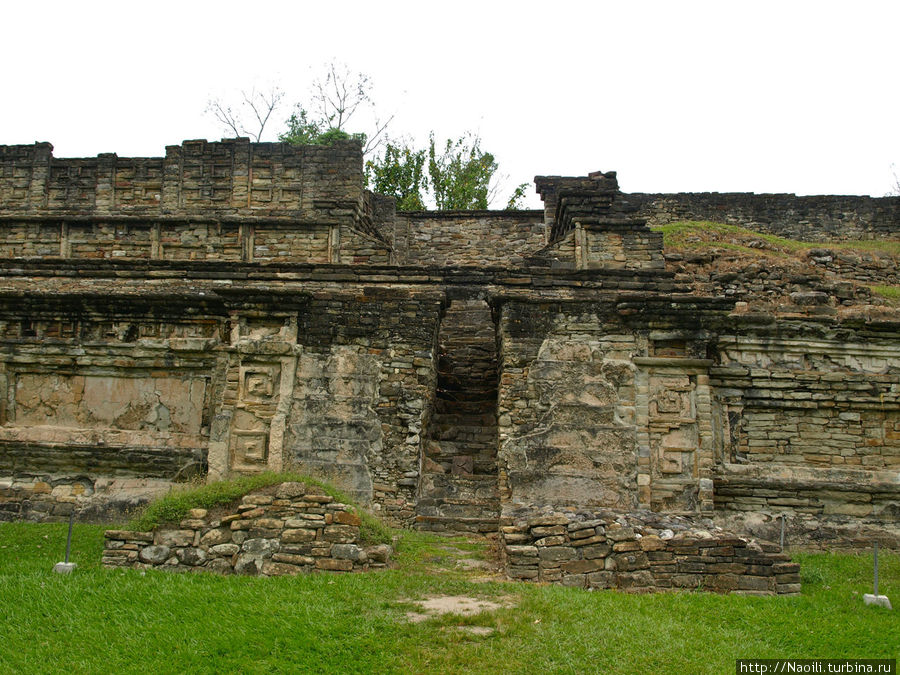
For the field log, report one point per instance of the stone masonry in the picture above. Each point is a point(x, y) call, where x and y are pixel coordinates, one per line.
point(234, 307)
point(295, 529)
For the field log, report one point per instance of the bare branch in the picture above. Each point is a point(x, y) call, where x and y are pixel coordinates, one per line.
point(224, 115)
point(256, 105)
point(374, 141)
point(339, 94)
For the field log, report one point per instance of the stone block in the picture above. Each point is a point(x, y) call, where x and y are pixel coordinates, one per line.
point(344, 534)
point(752, 583)
point(574, 580)
point(155, 555)
point(272, 569)
point(129, 535)
point(269, 523)
point(191, 556)
point(294, 559)
point(556, 553)
point(616, 533)
point(595, 551)
point(589, 541)
point(290, 490)
point(348, 552)
point(548, 531)
point(347, 518)
point(220, 535)
point(548, 520)
point(522, 572)
point(297, 535)
point(582, 566)
point(261, 547)
point(333, 565)
point(224, 550)
point(624, 546)
point(174, 538)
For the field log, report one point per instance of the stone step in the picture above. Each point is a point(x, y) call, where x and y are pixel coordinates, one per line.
point(483, 419)
point(444, 484)
point(457, 407)
point(444, 524)
point(440, 451)
point(464, 433)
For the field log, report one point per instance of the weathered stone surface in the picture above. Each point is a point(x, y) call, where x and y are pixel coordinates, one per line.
point(297, 535)
point(380, 553)
point(220, 535)
point(191, 556)
point(154, 555)
point(444, 368)
point(263, 547)
point(226, 550)
point(348, 552)
point(281, 551)
point(174, 538)
point(334, 565)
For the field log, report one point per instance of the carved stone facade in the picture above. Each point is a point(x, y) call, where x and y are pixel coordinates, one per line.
point(235, 307)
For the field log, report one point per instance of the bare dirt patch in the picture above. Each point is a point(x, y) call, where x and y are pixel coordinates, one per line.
point(461, 605)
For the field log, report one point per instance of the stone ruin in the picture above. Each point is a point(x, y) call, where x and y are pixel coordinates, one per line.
point(293, 529)
point(236, 307)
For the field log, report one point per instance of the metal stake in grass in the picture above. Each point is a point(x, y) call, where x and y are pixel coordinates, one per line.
point(67, 567)
point(874, 598)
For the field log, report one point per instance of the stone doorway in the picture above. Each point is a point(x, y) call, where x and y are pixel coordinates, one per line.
point(458, 488)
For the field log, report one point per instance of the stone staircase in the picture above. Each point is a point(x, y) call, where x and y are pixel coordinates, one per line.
point(458, 490)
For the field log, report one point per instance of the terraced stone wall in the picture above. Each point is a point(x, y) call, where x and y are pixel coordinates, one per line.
point(464, 238)
point(229, 200)
point(293, 528)
point(814, 218)
point(640, 553)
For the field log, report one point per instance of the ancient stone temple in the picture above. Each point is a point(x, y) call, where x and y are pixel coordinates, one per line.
point(233, 307)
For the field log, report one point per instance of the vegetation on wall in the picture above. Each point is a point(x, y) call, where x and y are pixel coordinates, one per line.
point(453, 174)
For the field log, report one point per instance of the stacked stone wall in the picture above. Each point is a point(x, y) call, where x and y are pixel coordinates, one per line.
point(597, 550)
point(230, 177)
point(814, 218)
point(463, 238)
point(230, 200)
point(295, 529)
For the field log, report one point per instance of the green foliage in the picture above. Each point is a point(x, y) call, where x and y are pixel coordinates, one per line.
point(889, 292)
point(460, 173)
point(105, 620)
point(174, 507)
point(301, 130)
point(515, 199)
point(399, 173)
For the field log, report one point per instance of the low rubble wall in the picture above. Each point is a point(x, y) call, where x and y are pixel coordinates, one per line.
point(640, 553)
point(296, 529)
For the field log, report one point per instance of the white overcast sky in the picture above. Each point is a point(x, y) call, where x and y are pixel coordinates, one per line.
point(756, 96)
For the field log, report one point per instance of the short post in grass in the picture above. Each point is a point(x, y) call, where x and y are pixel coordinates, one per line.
point(67, 567)
point(875, 598)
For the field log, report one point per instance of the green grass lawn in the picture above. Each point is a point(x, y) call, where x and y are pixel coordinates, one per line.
point(124, 621)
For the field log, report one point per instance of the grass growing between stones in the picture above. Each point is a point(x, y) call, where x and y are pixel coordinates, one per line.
point(102, 620)
point(890, 292)
point(704, 234)
point(174, 507)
